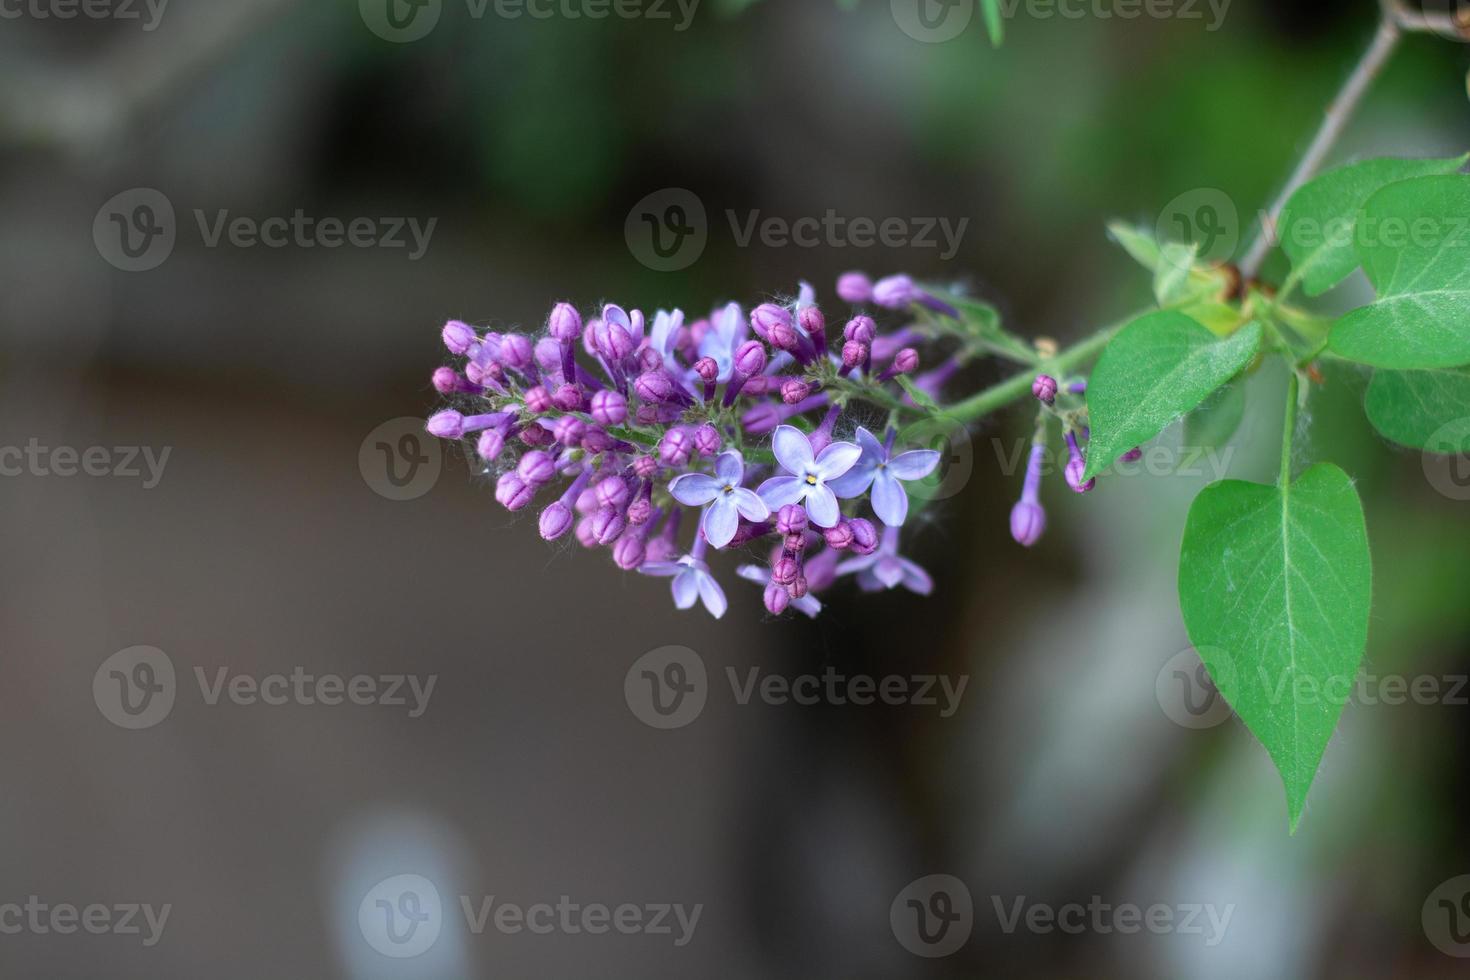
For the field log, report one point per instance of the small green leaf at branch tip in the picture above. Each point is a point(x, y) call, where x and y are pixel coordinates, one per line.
point(994, 22)
point(1158, 368)
point(1419, 261)
point(1137, 242)
point(1171, 278)
point(1320, 224)
point(919, 395)
point(1275, 586)
point(1428, 410)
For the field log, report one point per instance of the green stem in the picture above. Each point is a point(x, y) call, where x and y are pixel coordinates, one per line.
point(1288, 432)
point(999, 396)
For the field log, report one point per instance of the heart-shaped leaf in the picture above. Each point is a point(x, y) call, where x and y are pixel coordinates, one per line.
point(1158, 367)
point(1319, 224)
point(1414, 241)
point(1275, 585)
point(1422, 409)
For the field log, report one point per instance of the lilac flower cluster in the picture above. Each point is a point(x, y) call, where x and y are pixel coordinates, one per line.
point(642, 424)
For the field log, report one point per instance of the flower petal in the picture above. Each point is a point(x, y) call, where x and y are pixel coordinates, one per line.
point(821, 507)
point(855, 482)
point(721, 521)
point(859, 564)
point(613, 313)
point(870, 445)
point(712, 594)
point(751, 506)
point(808, 604)
point(890, 502)
point(915, 579)
point(754, 573)
point(686, 588)
point(660, 569)
point(914, 464)
point(836, 460)
point(730, 468)
point(694, 489)
point(779, 491)
point(889, 570)
point(793, 449)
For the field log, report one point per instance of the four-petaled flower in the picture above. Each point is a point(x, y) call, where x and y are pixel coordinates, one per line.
point(809, 474)
point(692, 583)
point(886, 568)
point(728, 500)
point(876, 468)
point(727, 331)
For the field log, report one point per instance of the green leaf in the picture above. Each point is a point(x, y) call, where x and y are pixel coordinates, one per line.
point(1215, 421)
point(1158, 367)
point(919, 395)
point(1171, 278)
point(1318, 226)
point(1414, 240)
point(1137, 242)
point(1422, 409)
point(994, 23)
point(1275, 585)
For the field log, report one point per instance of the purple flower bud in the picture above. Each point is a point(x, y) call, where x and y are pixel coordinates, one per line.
point(860, 328)
point(549, 355)
point(538, 400)
point(645, 467)
point(447, 381)
point(796, 543)
point(791, 519)
point(783, 336)
point(1133, 455)
point(569, 431)
point(650, 359)
point(1028, 523)
point(812, 321)
point(483, 374)
point(536, 468)
point(707, 440)
point(766, 316)
point(854, 287)
point(895, 292)
point(785, 571)
point(761, 419)
point(750, 358)
point(795, 390)
point(708, 370)
point(760, 384)
point(612, 491)
point(619, 343)
point(490, 445)
point(776, 599)
point(597, 441)
point(586, 502)
point(607, 524)
point(515, 351)
point(609, 407)
point(535, 436)
point(905, 362)
point(556, 521)
point(639, 511)
point(646, 414)
point(654, 386)
point(1045, 388)
point(585, 537)
point(458, 336)
point(839, 538)
point(798, 587)
point(629, 551)
point(565, 323)
point(854, 353)
point(447, 424)
point(568, 398)
point(512, 492)
point(676, 448)
point(864, 536)
point(1077, 466)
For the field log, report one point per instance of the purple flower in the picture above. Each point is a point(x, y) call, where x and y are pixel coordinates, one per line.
point(808, 603)
point(1028, 518)
point(692, 583)
point(854, 287)
point(727, 332)
point(885, 568)
point(809, 474)
point(728, 501)
point(877, 469)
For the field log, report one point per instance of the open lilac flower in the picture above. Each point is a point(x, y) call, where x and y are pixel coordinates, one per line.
point(809, 474)
point(886, 568)
point(727, 331)
point(692, 581)
point(761, 575)
point(728, 501)
point(663, 337)
point(878, 469)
